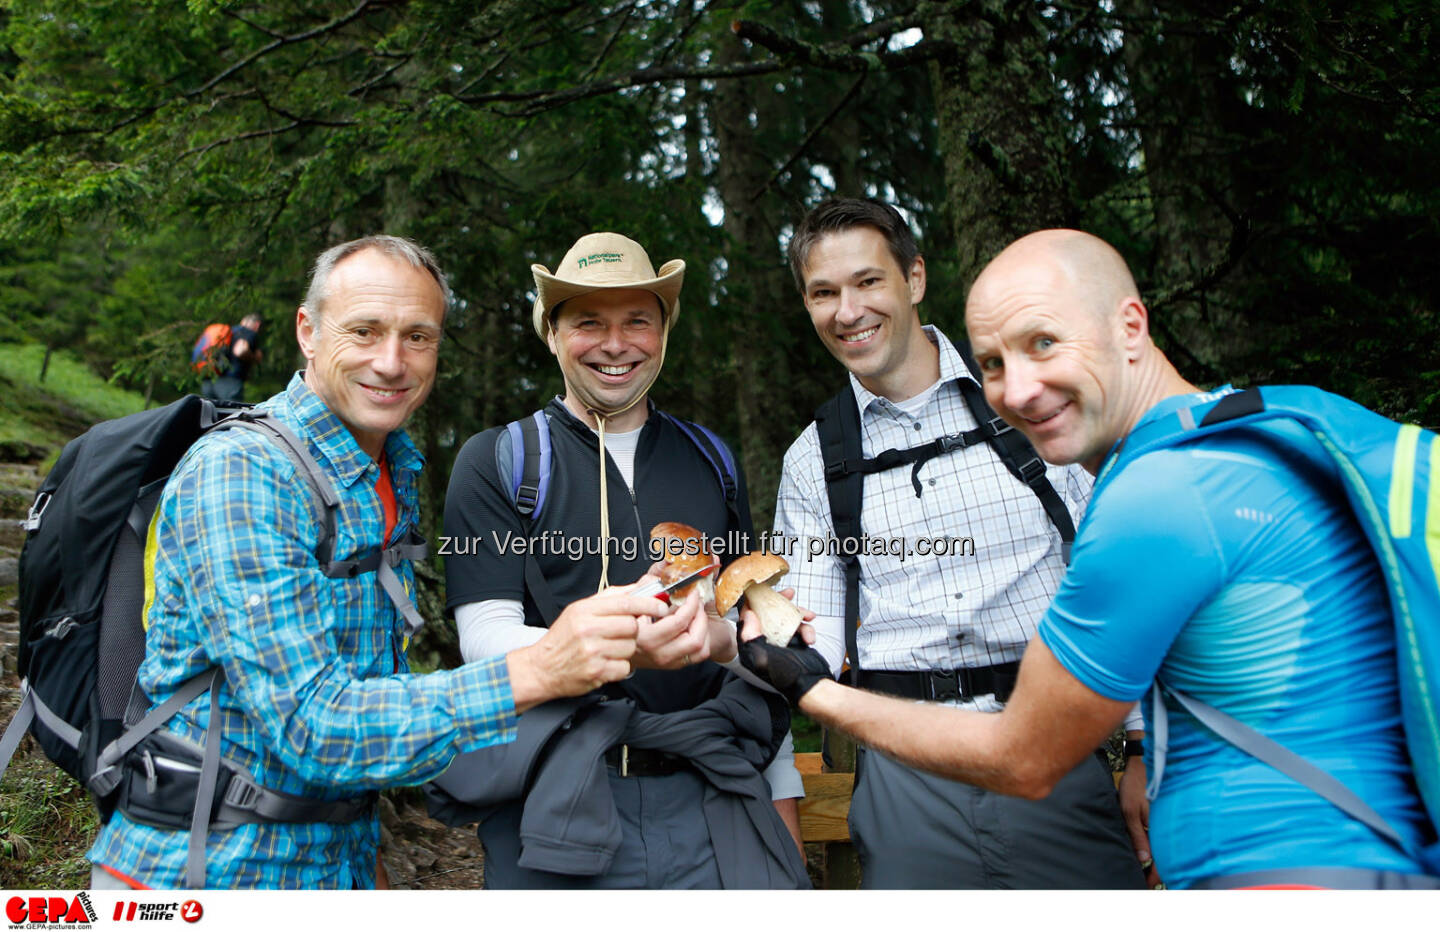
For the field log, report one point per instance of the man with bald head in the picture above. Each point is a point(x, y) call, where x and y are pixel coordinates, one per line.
point(1231, 567)
point(939, 623)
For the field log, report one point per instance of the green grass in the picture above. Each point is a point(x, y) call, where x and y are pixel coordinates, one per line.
point(68, 379)
point(46, 825)
point(38, 417)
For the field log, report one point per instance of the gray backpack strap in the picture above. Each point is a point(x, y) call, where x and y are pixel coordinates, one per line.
point(55, 723)
point(205, 790)
point(1276, 755)
point(19, 726)
point(107, 766)
point(1159, 741)
point(30, 709)
point(383, 564)
point(395, 589)
point(294, 449)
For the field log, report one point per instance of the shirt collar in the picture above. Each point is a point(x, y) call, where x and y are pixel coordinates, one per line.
point(1175, 402)
point(337, 445)
point(557, 410)
point(1161, 408)
point(952, 367)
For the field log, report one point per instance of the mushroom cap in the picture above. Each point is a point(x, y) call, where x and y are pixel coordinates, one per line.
point(680, 547)
point(758, 567)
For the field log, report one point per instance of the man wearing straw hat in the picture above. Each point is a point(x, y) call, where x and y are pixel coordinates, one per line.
point(617, 466)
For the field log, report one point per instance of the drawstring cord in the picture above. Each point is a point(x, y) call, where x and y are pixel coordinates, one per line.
point(604, 507)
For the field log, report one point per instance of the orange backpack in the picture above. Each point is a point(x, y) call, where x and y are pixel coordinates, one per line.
point(208, 357)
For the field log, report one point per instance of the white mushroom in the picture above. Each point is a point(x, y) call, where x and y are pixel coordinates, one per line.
point(752, 576)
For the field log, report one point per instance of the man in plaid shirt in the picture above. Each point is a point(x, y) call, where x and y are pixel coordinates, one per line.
point(316, 700)
point(932, 609)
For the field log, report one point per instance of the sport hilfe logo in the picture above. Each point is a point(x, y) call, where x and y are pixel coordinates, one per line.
point(134, 911)
point(57, 911)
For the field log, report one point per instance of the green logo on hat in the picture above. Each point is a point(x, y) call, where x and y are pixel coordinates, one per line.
point(600, 257)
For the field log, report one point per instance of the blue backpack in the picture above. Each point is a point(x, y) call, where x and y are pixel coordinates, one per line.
point(528, 471)
point(1386, 469)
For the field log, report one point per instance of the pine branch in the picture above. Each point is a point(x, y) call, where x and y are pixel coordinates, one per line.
point(230, 140)
point(838, 56)
point(332, 26)
point(541, 100)
point(810, 137)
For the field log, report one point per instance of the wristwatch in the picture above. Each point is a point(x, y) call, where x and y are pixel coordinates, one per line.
point(1134, 747)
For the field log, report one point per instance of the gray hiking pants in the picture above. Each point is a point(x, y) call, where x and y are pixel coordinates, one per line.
point(913, 830)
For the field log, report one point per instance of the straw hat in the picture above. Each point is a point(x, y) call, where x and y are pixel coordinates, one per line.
point(605, 260)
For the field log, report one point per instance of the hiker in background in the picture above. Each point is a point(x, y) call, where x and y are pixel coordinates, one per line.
point(946, 625)
point(1230, 565)
point(315, 710)
point(610, 466)
point(224, 356)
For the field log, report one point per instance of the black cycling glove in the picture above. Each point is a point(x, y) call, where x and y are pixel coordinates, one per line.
point(791, 670)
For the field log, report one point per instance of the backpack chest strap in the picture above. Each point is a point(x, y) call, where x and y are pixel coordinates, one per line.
point(915, 457)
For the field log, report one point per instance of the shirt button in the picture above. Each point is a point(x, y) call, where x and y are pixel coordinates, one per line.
point(917, 425)
point(253, 601)
point(959, 596)
point(932, 481)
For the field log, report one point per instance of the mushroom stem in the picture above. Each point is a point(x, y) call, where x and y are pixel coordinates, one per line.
point(779, 617)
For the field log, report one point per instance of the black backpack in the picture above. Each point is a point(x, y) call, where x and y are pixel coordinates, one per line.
point(82, 635)
point(838, 424)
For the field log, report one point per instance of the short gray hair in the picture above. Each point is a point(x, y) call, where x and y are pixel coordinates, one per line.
point(396, 247)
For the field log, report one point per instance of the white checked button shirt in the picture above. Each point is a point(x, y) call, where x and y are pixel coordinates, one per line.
point(968, 608)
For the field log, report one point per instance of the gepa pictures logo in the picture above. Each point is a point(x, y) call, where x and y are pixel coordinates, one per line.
point(36, 912)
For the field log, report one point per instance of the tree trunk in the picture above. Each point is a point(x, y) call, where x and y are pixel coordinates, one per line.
point(1180, 82)
point(999, 128)
point(750, 293)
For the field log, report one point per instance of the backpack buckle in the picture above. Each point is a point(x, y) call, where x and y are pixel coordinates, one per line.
point(944, 685)
point(1032, 471)
point(103, 782)
point(241, 793)
point(836, 471)
point(526, 497)
point(996, 426)
point(37, 511)
point(951, 442)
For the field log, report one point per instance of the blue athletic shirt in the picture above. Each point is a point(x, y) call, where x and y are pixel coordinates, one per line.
point(1234, 568)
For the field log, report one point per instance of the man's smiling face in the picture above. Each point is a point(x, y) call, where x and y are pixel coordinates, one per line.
point(862, 305)
point(371, 350)
point(1053, 365)
point(609, 342)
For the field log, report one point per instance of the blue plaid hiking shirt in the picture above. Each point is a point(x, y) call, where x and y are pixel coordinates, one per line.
point(317, 699)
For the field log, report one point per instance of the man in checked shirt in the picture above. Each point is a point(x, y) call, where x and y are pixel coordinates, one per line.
point(861, 277)
point(316, 700)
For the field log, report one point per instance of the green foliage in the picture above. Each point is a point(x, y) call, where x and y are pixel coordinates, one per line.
point(67, 379)
point(192, 160)
point(46, 823)
point(1267, 169)
point(37, 418)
